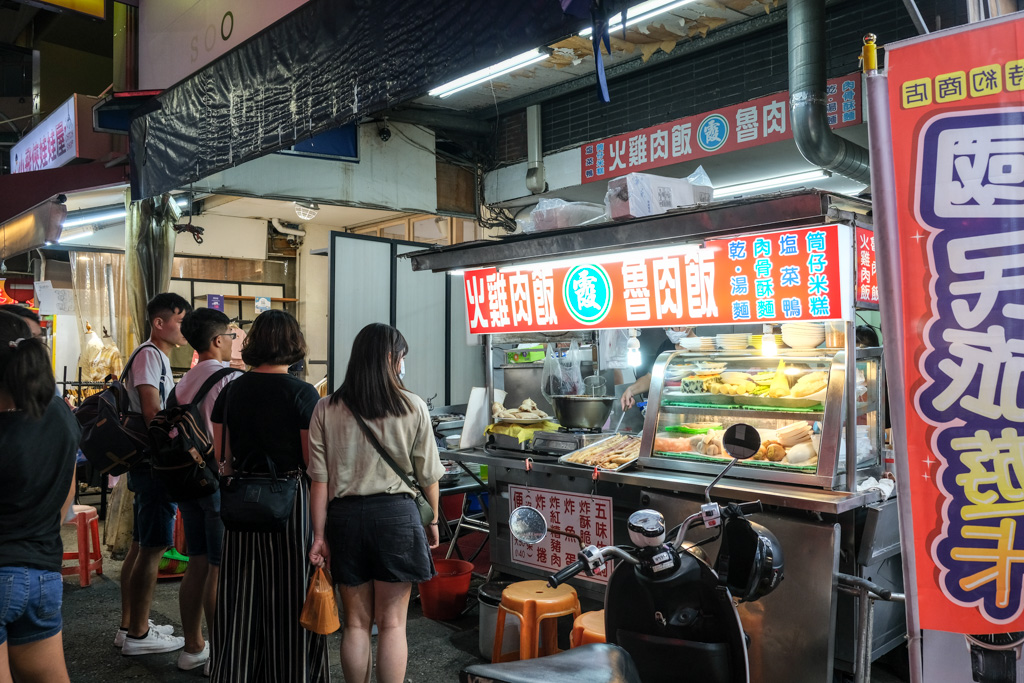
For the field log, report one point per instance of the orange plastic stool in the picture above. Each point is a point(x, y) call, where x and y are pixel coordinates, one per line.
point(588, 628)
point(537, 607)
point(88, 559)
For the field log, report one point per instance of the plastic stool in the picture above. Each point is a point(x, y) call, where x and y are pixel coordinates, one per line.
point(537, 607)
point(588, 628)
point(88, 559)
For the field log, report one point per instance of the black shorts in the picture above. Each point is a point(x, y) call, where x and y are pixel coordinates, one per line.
point(377, 538)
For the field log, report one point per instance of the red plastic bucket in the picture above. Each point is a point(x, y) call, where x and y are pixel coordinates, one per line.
point(444, 596)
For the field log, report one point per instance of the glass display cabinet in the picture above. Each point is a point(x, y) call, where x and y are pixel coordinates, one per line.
point(795, 400)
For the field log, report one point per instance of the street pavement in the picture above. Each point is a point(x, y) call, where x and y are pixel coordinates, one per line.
point(437, 650)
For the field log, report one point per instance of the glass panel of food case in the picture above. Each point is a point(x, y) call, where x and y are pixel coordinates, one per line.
point(794, 400)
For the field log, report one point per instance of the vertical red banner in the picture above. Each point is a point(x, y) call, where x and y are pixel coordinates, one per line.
point(957, 116)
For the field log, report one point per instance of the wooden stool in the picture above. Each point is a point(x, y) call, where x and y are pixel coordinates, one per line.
point(588, 628)
point(88, 559)
point(537, 607)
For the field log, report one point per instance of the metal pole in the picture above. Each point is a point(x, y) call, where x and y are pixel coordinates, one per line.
point(890, 306)
point(108, 278)
point(851, 400)
point(489, 373)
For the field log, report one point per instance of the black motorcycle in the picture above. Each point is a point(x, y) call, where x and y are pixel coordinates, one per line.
point(670, 615)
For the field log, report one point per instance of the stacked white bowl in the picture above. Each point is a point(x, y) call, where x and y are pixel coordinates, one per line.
point(732, 342)
point(698, 343)
point(803, 335)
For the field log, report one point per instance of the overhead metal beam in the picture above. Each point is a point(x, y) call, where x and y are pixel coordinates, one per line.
point(442, 119)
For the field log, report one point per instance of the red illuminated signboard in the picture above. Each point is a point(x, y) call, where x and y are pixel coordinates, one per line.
point(757, 122)
point(799, 274)
point(866, 290)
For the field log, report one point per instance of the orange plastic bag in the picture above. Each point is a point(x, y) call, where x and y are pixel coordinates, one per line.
point(320, 611)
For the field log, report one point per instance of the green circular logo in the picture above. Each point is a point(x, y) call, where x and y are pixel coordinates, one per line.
point(587, 293)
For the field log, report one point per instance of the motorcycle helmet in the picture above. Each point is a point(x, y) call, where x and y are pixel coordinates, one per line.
point(749, 560)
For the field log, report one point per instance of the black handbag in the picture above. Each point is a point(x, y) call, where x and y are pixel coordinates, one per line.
point(255, 502)
point(426, 512)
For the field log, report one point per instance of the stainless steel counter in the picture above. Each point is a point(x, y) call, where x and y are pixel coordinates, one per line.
point(778, 495)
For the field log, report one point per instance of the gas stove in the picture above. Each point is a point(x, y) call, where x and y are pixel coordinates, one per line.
point(565, 440)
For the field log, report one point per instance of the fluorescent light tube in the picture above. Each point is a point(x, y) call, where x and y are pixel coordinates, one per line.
point(644, 11)
point(75, 234)
point(499, 69)
point(770, 183)
point(94, 218)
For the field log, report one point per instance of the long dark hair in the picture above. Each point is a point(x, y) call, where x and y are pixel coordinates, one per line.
point(25, 373)
point(372, 388)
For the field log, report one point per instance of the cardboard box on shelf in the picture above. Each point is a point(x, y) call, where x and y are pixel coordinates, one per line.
point(636, 195)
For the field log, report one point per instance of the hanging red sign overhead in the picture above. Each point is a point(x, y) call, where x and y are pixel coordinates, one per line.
point(757, 122)
point(795, 274)
point(867, 268)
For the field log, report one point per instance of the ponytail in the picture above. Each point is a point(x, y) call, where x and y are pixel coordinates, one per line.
point(25, 373)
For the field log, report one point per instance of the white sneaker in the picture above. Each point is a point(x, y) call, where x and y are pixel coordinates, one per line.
point(193, 660)
point(153, 642)
point(122, 633)
point(206, 668)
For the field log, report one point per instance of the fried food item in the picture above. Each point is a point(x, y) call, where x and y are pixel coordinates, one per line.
point(780, 385)
point(529, 406)
point(810, 383)
point(609, 454)
point(669, 444)
point(794, 433)
point(528, 410)
point(772, 451)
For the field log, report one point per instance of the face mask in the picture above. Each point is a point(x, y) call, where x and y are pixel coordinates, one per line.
point(674, 336)
point(401, 369)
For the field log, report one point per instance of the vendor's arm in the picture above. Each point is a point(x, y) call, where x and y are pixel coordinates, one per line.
point(640, 386)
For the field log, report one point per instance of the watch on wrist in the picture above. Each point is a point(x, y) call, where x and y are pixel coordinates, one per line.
point(994, 656)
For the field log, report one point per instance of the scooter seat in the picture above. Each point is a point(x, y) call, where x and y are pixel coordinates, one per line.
point(598, 663)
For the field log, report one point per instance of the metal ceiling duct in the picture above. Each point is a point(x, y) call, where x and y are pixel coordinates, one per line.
point(535, 181)
point(807, 102)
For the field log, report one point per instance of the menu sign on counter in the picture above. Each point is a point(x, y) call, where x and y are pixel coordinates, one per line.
point(590, 517)
point(770, 277)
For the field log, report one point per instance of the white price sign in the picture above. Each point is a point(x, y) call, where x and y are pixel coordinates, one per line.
point(588, 516)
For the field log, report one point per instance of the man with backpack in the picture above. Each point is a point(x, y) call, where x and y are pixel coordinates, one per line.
point(148, 381)
point(207, 332)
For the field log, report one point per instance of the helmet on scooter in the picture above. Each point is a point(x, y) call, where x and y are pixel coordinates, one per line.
point(749, 560)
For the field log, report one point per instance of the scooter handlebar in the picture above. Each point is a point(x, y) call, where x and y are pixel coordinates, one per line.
point(750, 508)
point(555, 580)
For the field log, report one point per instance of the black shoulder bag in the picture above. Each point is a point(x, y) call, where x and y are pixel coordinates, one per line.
point(426, 512)
point(255, 502)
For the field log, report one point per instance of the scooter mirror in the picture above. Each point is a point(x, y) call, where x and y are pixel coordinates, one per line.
point(741, 441)
point(528, 525)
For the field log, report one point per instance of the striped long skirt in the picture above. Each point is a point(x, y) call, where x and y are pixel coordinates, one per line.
point(263, 582)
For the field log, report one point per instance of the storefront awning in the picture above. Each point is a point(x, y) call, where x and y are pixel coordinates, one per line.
point(324, 65)
point(31, 209)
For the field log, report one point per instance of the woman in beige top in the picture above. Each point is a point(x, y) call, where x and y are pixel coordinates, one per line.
point(365, 522)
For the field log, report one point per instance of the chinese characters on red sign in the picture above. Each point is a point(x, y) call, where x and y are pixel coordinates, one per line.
point(588, 516)
point(867, 268)
point(757, 122)
point(957, 108)
point(771, 277)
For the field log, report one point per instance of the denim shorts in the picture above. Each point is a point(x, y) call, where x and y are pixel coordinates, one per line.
point(153, 512)
point(377, 538)
point(204, 531)
point(30, 602)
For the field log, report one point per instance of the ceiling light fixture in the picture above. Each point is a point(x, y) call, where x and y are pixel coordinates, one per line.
point(644, 11)
point(75, 234)
point(771, 183)
point(307, 211)
point(484, 75)
point(104, 214)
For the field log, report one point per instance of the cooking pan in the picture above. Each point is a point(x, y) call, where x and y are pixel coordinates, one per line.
point(582, 412)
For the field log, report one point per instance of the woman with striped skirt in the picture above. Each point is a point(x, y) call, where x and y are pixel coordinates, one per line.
point(265, 574)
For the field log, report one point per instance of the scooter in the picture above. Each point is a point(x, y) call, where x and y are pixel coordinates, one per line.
point(669, 614)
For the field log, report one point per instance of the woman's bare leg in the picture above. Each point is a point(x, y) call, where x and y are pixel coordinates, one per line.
point(390, 609)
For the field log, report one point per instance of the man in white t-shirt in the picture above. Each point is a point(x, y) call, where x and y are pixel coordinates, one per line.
point(149, 381)
point(207, 332)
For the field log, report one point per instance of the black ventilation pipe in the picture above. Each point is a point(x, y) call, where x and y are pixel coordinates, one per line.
point(815, 140)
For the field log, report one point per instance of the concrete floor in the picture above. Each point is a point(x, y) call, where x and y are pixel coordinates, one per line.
point(437, 650)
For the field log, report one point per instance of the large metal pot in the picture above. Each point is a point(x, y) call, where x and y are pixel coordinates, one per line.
point(582, 412)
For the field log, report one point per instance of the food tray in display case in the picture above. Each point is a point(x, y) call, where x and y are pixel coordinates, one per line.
point(613, 454)
point(795, 401)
